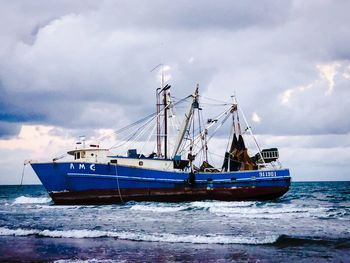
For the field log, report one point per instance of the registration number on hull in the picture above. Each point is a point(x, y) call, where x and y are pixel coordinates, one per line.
point(267, 174)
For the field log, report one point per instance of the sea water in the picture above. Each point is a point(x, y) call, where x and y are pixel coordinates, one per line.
point(311, 223)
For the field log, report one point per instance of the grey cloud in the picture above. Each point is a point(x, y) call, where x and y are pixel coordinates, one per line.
point(8, 129)
point(83, 65)
point(196, 15)
point(88, 66)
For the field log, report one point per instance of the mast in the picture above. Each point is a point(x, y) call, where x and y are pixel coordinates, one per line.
point(184, 125)
point(158, 104)
point(159, 147)
point(165, 125)
point(206, 145)
point(165, 109)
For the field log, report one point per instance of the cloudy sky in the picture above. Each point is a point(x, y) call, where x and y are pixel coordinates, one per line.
point(83, 67)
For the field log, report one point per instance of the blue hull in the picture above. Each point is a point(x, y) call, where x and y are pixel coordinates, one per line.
point(90, 183)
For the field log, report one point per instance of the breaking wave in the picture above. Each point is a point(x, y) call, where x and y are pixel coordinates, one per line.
point(217, 204)
point(251, 210)
point(158, 209)
point(32, 200)
point(134, 236)
point(277, 240)
point(200, 205)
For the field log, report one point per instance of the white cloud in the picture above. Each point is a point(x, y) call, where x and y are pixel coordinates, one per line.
point(41, 141)
point(328, 72)
point(286, 95)
point(346, 73)
point(256, 118)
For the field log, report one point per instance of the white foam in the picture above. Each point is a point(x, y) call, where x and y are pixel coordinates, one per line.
point(208, 204)
point(17, 232)
point(158, 209)
point(151, 237)
point(74, 233)
point(31, 200)
point(267, 212)
point(58, 207)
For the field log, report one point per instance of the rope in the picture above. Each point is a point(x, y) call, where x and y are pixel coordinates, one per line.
point(24, 166)
point(116, 174)
point(221, 101)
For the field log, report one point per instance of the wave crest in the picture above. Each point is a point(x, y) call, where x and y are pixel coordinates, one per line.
point(150, 237)
point(158, 209)
point(31, 200)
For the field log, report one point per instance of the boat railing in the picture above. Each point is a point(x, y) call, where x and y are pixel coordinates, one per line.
point(267, 155)
point(270, 154)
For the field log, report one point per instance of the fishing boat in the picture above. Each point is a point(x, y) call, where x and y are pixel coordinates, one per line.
point(178, 170)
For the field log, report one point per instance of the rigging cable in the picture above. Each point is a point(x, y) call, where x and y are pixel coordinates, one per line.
point(217, 128)
point(139, 121)
point(149, 138)
point(134, 134)
point(251, 133)
point(221, 124)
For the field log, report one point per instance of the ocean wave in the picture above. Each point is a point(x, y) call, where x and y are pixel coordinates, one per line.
point(31, 200)
point(17, 232)
point(205, 205)
point(158, 209)
point(150, 237)
point(223, 204)
point(269, 212)
point(61, 207)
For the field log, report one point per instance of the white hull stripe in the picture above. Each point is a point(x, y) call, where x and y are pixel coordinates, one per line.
point(125, 177)
point(170, 179)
